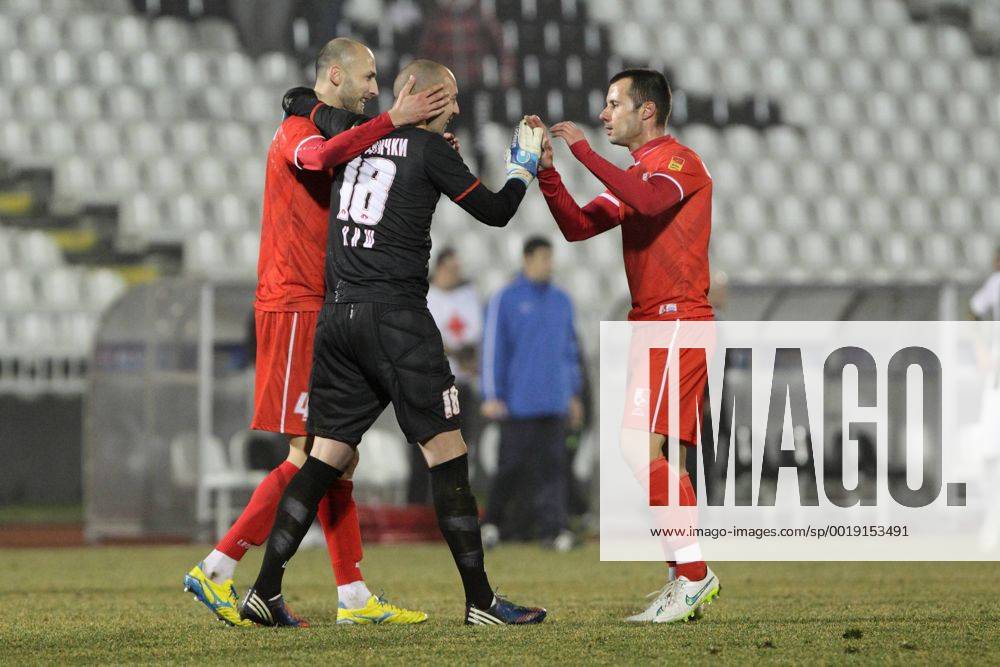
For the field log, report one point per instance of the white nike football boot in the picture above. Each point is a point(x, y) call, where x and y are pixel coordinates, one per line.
point(680, 600)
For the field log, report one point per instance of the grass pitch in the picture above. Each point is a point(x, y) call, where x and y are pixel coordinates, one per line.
point(119, 605)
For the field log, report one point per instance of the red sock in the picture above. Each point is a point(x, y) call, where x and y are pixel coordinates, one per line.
point(697, 570)
point(338, 514)
point(254, 524)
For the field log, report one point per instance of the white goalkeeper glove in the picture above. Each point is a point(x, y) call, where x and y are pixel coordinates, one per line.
point(525, 150)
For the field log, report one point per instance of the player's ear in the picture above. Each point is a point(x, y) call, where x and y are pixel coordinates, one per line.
point(648, 110)
point(336, 75)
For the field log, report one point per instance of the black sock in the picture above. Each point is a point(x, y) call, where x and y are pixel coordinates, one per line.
point(295, 515)
point(458, 519)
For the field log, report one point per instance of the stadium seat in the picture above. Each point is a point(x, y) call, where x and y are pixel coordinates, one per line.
point(889, 13)
point(60, 288)
point(631, 39)
point(792, 215)
point(952, 43)
point(956, 216)
point(36, 251)
point(866, 143)
point(816, 74)
point(873, 43)
point(891, 180)
point(246, 249)
point(129, 34)
point(913, 42)
point(139, 218)
point(171, 35)
point(204, 254)
point(37, 102)
point(228, 212)
point(793, 41)
point(947, 145)
point(191, 70)
point(907, 144)
point(147, 69)
point(897, 76)
point(216, 33)
point(833, 42)
point(165, 175)
point(277, 69)
point(834, 215)
point(924, 111)
point(856, 75)
point(74, 177)
point(50, 140)
point(60, 68)
point(104, 69)
point(874, 216)
point(940, 253)
point(914, 215)
point(41, 33)
point(34, 331)
point(86, 33)
point(810, 179)
point(124, 103)
point(145, 139)
point(208, 175)
point(16, 291)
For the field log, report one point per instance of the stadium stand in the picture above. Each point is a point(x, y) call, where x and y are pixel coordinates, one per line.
point(842, 149)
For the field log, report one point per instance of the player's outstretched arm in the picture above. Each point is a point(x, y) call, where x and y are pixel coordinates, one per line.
point(449, 173)
point(575, 223)
point(648, 197)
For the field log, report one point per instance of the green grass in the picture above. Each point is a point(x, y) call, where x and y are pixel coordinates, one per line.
point(121, 605)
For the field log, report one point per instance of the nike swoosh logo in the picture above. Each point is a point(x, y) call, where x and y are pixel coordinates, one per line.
point(691, 599)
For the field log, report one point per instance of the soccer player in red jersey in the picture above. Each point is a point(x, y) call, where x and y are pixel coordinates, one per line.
point(290, 293)
point(663, 204)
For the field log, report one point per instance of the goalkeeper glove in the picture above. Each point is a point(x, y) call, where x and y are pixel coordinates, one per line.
point(299, 101)
point(525, 150)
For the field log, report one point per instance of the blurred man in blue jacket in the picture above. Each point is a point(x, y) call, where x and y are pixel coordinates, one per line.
point(531, 384)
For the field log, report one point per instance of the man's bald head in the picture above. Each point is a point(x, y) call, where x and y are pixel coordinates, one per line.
point(427, 73)
point(341, 51)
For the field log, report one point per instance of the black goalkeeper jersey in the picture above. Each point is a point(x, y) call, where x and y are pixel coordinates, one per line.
point(381, 208)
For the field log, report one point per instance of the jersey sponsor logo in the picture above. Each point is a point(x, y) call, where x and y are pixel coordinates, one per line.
point(668, 308)
point(676, 163)
point(451, 407)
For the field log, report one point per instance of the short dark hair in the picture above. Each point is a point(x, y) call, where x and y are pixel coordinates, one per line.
point(446, 253)
point(536, 243)
point(648, 86)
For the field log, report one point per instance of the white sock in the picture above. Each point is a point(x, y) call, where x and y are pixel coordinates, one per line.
point(353, 595)
point(219, 567)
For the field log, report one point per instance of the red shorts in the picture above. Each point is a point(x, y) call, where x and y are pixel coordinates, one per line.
point(284, 362)
point(652, 352)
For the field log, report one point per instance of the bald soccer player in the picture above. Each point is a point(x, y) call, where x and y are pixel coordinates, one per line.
point(376, 342)
point(289, 297)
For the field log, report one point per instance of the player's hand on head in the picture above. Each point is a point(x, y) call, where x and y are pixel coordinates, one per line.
point(410, 107)
point(453, 141)
point(299, 101)
point(525, 152)
point(568, 132)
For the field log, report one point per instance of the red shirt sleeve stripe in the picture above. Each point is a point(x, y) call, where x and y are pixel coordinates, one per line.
point(467, 191)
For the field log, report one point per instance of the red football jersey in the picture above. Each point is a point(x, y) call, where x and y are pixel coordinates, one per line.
point(666, 242)
point(666, 257)
point(294, 225)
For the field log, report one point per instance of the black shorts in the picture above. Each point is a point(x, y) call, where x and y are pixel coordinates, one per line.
point(367, 355)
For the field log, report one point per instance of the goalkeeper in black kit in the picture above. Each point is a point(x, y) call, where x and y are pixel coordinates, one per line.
point(376, 342)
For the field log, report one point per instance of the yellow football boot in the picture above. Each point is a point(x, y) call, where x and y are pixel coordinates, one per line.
point(377, 610)
point(221, 599)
